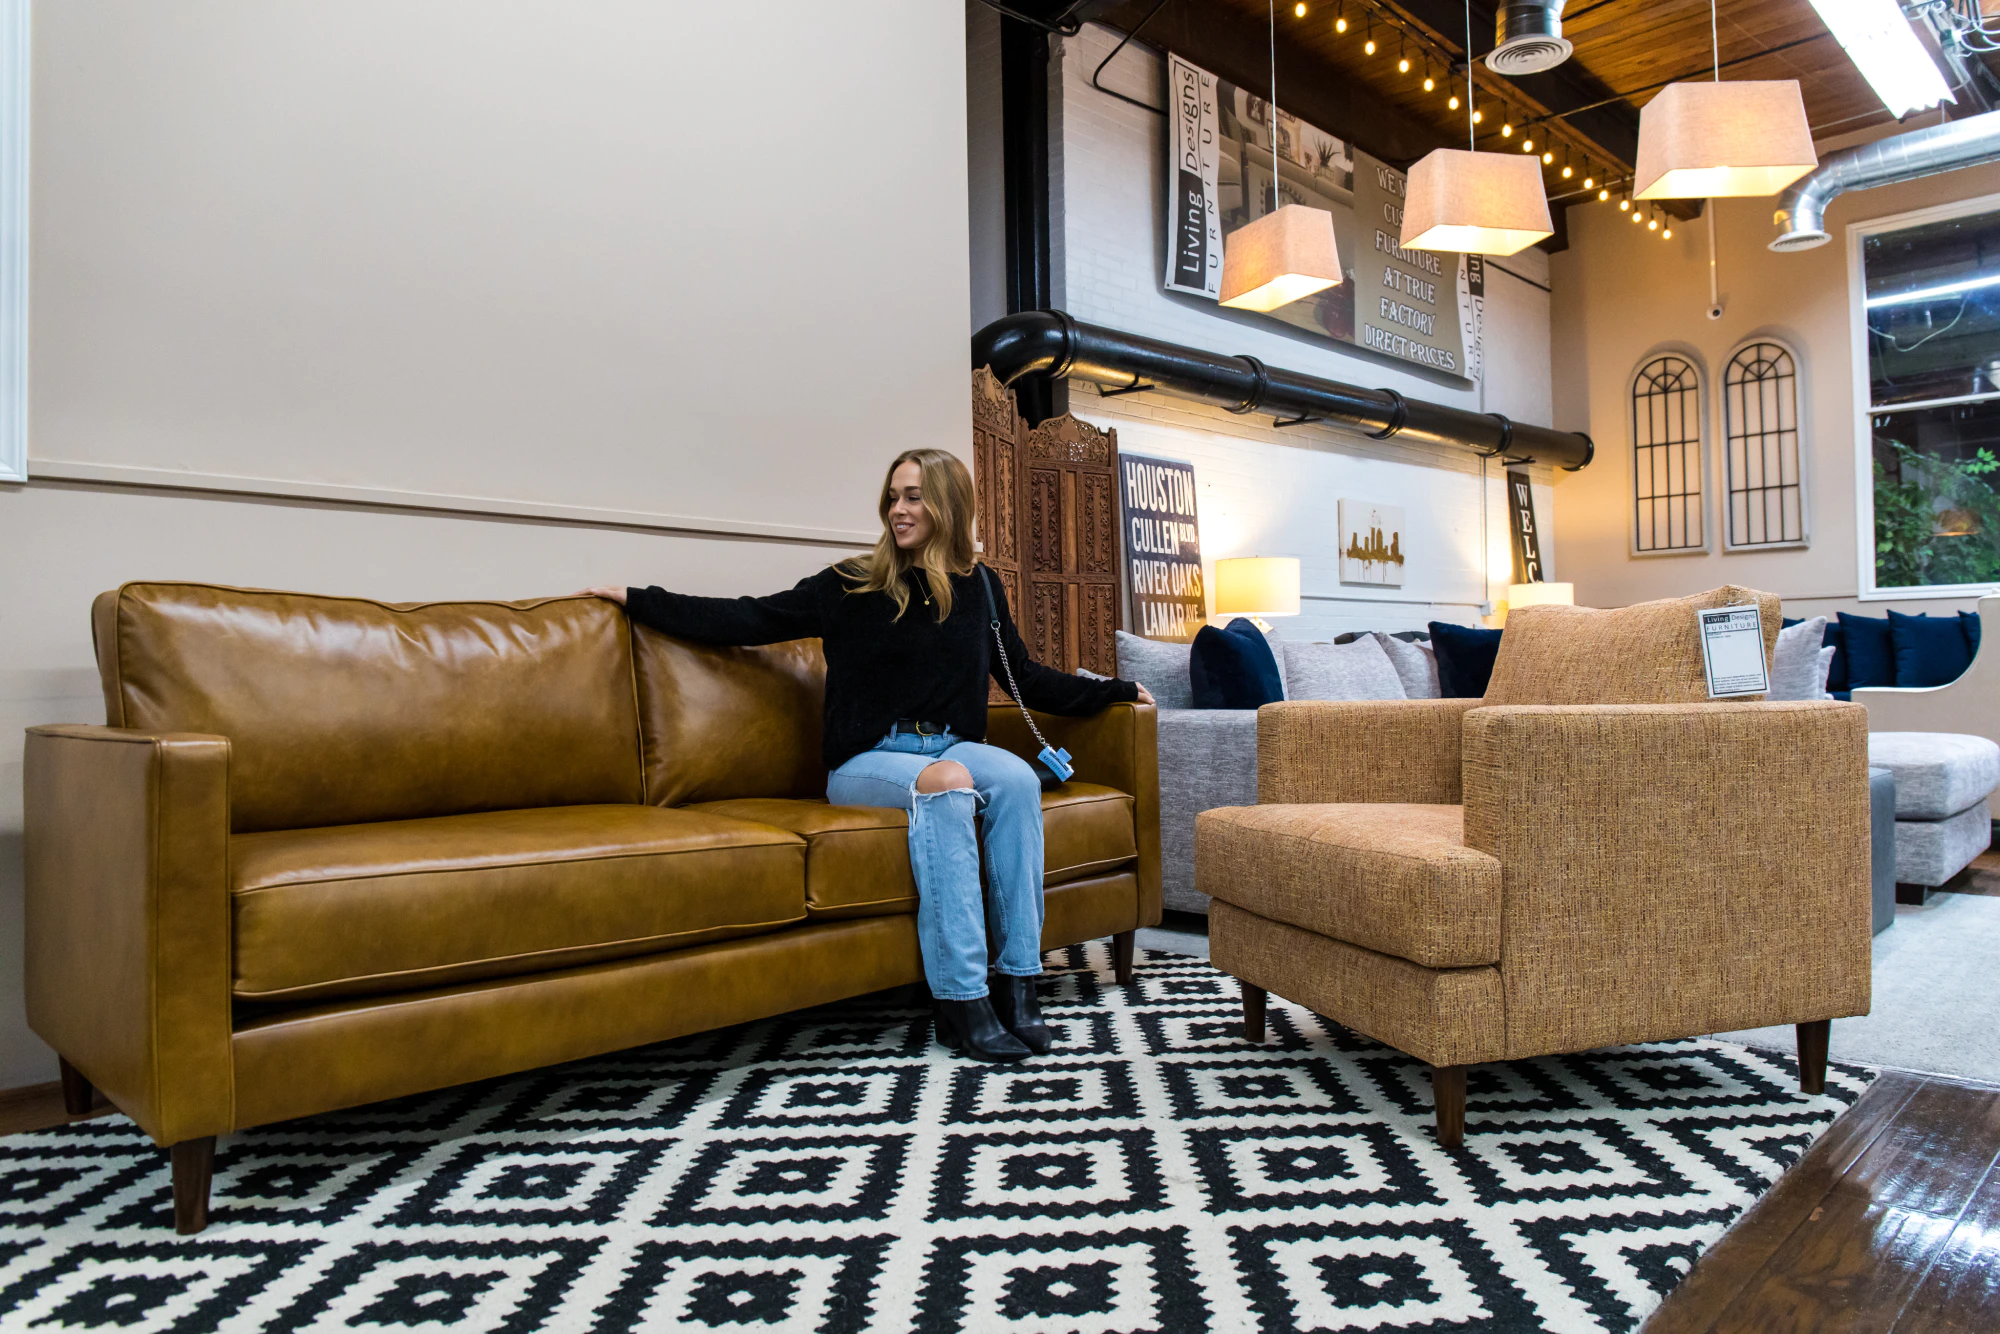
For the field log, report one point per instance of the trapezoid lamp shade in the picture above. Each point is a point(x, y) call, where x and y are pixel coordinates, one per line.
point(1279, 258)
point(1723, 140)
point(1475, 203)
point(1257, 586)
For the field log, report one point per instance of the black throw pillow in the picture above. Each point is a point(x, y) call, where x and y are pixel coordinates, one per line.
point(1930, 650)
point(1871, 652)
point(1968, 621)
point(1465, 657)
point(1232, 668)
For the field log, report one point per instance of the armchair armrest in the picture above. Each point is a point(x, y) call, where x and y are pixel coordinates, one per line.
point(1671, 870)
point(127, 918)
point(1311, 751)
point(1118, 747)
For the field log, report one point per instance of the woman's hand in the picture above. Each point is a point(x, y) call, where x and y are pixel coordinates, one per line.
point(1145, 695)
point(617, 594)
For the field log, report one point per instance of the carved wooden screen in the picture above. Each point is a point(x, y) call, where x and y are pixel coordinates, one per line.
point(1070, 545)
point(1048, 516)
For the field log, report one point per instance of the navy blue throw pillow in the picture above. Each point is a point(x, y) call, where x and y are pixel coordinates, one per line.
point(1968, 621)
point(1835, 638)
point(1465, 657)
point(1870, 652)
point(1232, 668)
point(1930, 650)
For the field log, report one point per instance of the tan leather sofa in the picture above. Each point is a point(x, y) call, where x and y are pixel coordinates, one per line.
point(1593, 854)
point(328, 851)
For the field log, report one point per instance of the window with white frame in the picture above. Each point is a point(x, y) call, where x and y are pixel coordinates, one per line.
point(1928, 288)
point(1669, 503)
point(1764, 484)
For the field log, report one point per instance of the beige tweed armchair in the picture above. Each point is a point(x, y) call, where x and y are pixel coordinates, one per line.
point(1475, 880)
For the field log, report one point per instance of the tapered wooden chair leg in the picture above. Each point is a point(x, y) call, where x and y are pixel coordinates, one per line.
point(1253, 1012)
point(1813, 1038)
point(76, 1090)
point(1448, 1096)
point(194, 1168)
point(1121, 955)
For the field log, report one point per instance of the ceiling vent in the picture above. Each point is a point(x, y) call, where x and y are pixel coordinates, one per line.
point(1527, 38)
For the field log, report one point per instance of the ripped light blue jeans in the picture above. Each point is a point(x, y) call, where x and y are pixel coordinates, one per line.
point(952, 929)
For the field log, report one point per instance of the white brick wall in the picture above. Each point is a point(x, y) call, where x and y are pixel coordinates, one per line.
point(1263, 491)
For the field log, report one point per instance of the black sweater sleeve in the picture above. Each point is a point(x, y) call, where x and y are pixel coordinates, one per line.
point(1045, 688)
point(792, 614)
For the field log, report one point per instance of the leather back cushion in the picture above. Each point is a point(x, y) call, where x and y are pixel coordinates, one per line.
point(343, 710)
point(1648, 653)
point(724, 723)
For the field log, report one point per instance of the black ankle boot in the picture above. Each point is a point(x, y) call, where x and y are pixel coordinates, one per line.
point(972, 1027)
point(1017, 1007)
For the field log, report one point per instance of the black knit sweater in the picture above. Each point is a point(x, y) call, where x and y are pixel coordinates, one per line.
point(881, 670)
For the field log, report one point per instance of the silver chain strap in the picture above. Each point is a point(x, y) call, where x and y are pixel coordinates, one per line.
point(1013, 687)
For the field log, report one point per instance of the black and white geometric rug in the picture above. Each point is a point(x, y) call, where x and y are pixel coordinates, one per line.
point(834, 1171)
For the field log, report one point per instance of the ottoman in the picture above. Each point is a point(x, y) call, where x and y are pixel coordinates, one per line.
point(1943, 780)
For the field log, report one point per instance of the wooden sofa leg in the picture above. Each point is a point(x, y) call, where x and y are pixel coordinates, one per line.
point(1813, 1038)
point(1121, 956)
point(1253, 1013)
point(1448, 1096)
point(194, 1168)
point(76, 1090)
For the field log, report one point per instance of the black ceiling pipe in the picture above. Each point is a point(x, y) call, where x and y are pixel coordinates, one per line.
point(1049, 342)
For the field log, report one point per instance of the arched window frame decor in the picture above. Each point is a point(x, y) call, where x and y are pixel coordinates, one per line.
point(1763, 427)
point(1669, 454)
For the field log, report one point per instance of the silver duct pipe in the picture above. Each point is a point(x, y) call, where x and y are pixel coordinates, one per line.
point(1527, 37)
point(1801, 215)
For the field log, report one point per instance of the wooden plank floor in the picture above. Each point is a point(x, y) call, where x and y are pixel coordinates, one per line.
point(1891, 1222)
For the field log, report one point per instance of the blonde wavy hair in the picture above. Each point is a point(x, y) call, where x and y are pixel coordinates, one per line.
point(948, 499)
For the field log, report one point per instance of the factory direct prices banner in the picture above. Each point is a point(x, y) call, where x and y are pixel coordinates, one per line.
point(1412, 305)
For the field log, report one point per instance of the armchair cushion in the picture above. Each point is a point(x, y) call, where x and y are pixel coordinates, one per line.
point(406, 904)
point(1356, 751)
point(1648, 653)
point(1394, 878)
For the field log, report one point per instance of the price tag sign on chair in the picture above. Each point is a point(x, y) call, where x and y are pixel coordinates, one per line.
point(1732, 651)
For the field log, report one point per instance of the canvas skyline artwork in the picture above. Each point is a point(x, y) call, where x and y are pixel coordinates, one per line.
point(1371, 543)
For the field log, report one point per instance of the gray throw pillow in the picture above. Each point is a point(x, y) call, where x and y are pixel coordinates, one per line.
point(1162, 668)
point(1360, 670)
point(1416, 665)
point(1795, 669)
point(1825, 671)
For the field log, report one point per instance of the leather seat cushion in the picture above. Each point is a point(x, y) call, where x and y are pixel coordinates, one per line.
point(1392, 877)
point(364, 909)
point(858, 857)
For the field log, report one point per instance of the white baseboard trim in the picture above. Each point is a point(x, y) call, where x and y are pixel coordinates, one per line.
point(381, 497)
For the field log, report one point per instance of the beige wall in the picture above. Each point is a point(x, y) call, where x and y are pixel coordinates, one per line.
point(1621, 292)
point(581, 261)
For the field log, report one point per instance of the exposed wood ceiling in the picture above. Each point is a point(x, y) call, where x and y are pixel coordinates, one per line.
point(1626, 50)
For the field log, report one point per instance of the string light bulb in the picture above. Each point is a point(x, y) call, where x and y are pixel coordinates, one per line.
point(1403, 65)
point(1478, 116)
point(1403, 55)
point(1368, 47)
point(1637, 216)
point(1507, 129)
point(1429, 82)
point(1567, 171)
point(1652, 224)
point(1549, 159)
point(1588, 183)
point(1340, 23)
point(1667, 232)
point(1603, 195)
point(1453, 103)
point(1299, 10)
point(1527, 145)
point(1625, 205)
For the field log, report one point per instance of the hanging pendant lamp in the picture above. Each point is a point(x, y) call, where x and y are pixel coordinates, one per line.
point(1288, 253)
point(1716, 140)
point(1475, 203)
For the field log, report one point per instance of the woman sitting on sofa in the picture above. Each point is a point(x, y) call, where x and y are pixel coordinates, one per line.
point(908, 651)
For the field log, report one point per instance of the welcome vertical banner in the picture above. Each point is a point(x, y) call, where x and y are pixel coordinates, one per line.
point(1162, 547)
point(1194, 220)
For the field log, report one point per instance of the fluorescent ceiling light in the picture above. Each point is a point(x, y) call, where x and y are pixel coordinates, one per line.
point(1880, 42)
point(1932, 293)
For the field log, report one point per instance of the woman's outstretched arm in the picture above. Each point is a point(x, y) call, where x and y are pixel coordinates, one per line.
point(792, 614)
point(1047, 689)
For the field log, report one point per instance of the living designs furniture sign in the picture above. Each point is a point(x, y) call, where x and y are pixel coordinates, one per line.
point(1412, 305)
point(1163, 580)
point(1371, 543)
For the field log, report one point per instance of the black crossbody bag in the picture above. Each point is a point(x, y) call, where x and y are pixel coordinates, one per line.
point(1051, 765)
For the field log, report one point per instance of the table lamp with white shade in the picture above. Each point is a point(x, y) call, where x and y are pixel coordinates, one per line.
point(1540, 595)
point(1257, 586)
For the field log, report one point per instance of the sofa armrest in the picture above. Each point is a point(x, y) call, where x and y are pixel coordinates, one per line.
point(1360, 751)
point(127, 919)
point(1118, 747)
point(1671, 870)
